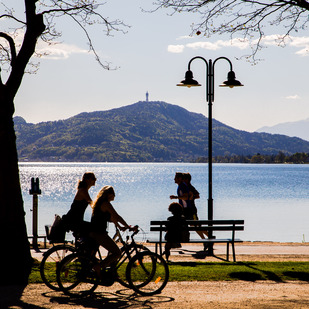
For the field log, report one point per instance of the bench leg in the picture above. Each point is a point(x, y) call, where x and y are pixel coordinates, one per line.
point(160, 248)
point(227, 251)
point(234, 255)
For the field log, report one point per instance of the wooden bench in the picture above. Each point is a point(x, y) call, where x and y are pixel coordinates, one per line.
point(39, 237)
point(203, 225)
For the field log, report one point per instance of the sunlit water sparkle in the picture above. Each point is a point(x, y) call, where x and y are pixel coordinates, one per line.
point(272, 199)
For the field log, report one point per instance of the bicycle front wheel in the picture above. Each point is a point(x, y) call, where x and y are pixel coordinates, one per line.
point(123, 262)
point(50, 262)
point(147, 273)
point(76, 277)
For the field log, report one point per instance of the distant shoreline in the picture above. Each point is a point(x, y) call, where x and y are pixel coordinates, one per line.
point(154, 162)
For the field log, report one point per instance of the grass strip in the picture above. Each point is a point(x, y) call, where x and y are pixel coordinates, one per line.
point(249, 271)
point(221, 271)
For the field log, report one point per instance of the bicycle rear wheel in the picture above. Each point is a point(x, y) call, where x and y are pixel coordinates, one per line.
point(123, 262)
point(50, 262)
point(75, 276)
point(147, 273)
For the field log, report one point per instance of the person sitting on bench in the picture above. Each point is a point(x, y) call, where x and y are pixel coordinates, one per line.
point(176, 229)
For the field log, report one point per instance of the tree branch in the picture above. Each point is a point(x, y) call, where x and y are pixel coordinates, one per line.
point(40, 16)
point(248, 18)
point(12, 17)
point(12, 46)
point(97, 58)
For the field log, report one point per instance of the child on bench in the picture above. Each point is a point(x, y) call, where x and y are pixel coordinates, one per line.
point(176, 229)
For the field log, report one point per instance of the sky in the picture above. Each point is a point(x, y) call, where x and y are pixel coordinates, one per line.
point(153, 56)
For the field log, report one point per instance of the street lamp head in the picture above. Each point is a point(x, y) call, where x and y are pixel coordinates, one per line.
point(231, 81)
point(189, 81)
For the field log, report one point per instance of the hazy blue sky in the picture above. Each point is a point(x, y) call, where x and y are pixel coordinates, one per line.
point(153, 56)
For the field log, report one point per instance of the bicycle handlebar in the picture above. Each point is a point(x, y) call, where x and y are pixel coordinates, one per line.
point(134, 229)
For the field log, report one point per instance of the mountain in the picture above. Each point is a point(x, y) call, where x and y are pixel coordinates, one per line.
point(141, 132)
point(298, 128)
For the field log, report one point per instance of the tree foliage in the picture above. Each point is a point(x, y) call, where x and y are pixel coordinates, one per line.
point(250, 19)
point(296, 158)
point(40, 18)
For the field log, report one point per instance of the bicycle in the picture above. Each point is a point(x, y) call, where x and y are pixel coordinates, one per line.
point(53, 257)
point(146, 272)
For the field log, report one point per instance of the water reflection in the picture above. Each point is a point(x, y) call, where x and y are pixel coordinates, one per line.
point(268, 197)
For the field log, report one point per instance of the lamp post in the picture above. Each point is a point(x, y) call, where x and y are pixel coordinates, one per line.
point(190, 82)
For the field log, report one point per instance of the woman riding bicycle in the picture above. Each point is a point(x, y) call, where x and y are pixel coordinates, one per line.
point(79, 273)
point(74, 219)
point(104, 212)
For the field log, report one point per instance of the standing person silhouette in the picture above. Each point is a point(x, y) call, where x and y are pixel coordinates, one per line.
point(182, 191)
point(74, 219)
point(191, 213)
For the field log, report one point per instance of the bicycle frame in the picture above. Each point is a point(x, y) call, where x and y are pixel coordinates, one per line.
point(127, 248)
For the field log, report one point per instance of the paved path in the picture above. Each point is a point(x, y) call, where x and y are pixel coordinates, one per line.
point(247, 251)
point(188, 295)
point(180, 295)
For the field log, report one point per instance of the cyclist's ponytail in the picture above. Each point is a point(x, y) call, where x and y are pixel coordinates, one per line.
point(82, 183)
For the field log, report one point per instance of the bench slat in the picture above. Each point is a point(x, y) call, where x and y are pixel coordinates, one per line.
point(201, 228)
point(201, 241)
point(207, 222)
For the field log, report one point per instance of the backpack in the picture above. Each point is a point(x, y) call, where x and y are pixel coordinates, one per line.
point(57, 231)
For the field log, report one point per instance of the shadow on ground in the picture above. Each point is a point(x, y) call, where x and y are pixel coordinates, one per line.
point(119, 299)
point(254, 273)
point(299, 275)
point(10, 297)
point(247, 271)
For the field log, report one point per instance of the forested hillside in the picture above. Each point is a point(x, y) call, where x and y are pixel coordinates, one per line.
point(141, 132)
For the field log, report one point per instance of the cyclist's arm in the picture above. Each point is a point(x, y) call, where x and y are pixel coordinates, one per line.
point(82, 194)
point(115, 217)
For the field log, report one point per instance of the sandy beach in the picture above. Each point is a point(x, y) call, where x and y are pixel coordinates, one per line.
point(234, 294)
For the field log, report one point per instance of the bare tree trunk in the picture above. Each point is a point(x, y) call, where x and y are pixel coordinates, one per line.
point(15, 257)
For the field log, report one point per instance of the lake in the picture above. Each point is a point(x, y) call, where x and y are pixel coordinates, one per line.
point(273, 199)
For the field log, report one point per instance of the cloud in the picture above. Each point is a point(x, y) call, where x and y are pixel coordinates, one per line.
point(241, 44)
point(54, 51)
point(301, 43)
point(293, 97)
point(185, 37)
point(203, 45)
point(176, 49)
point(270, 40)
point(59, 51)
